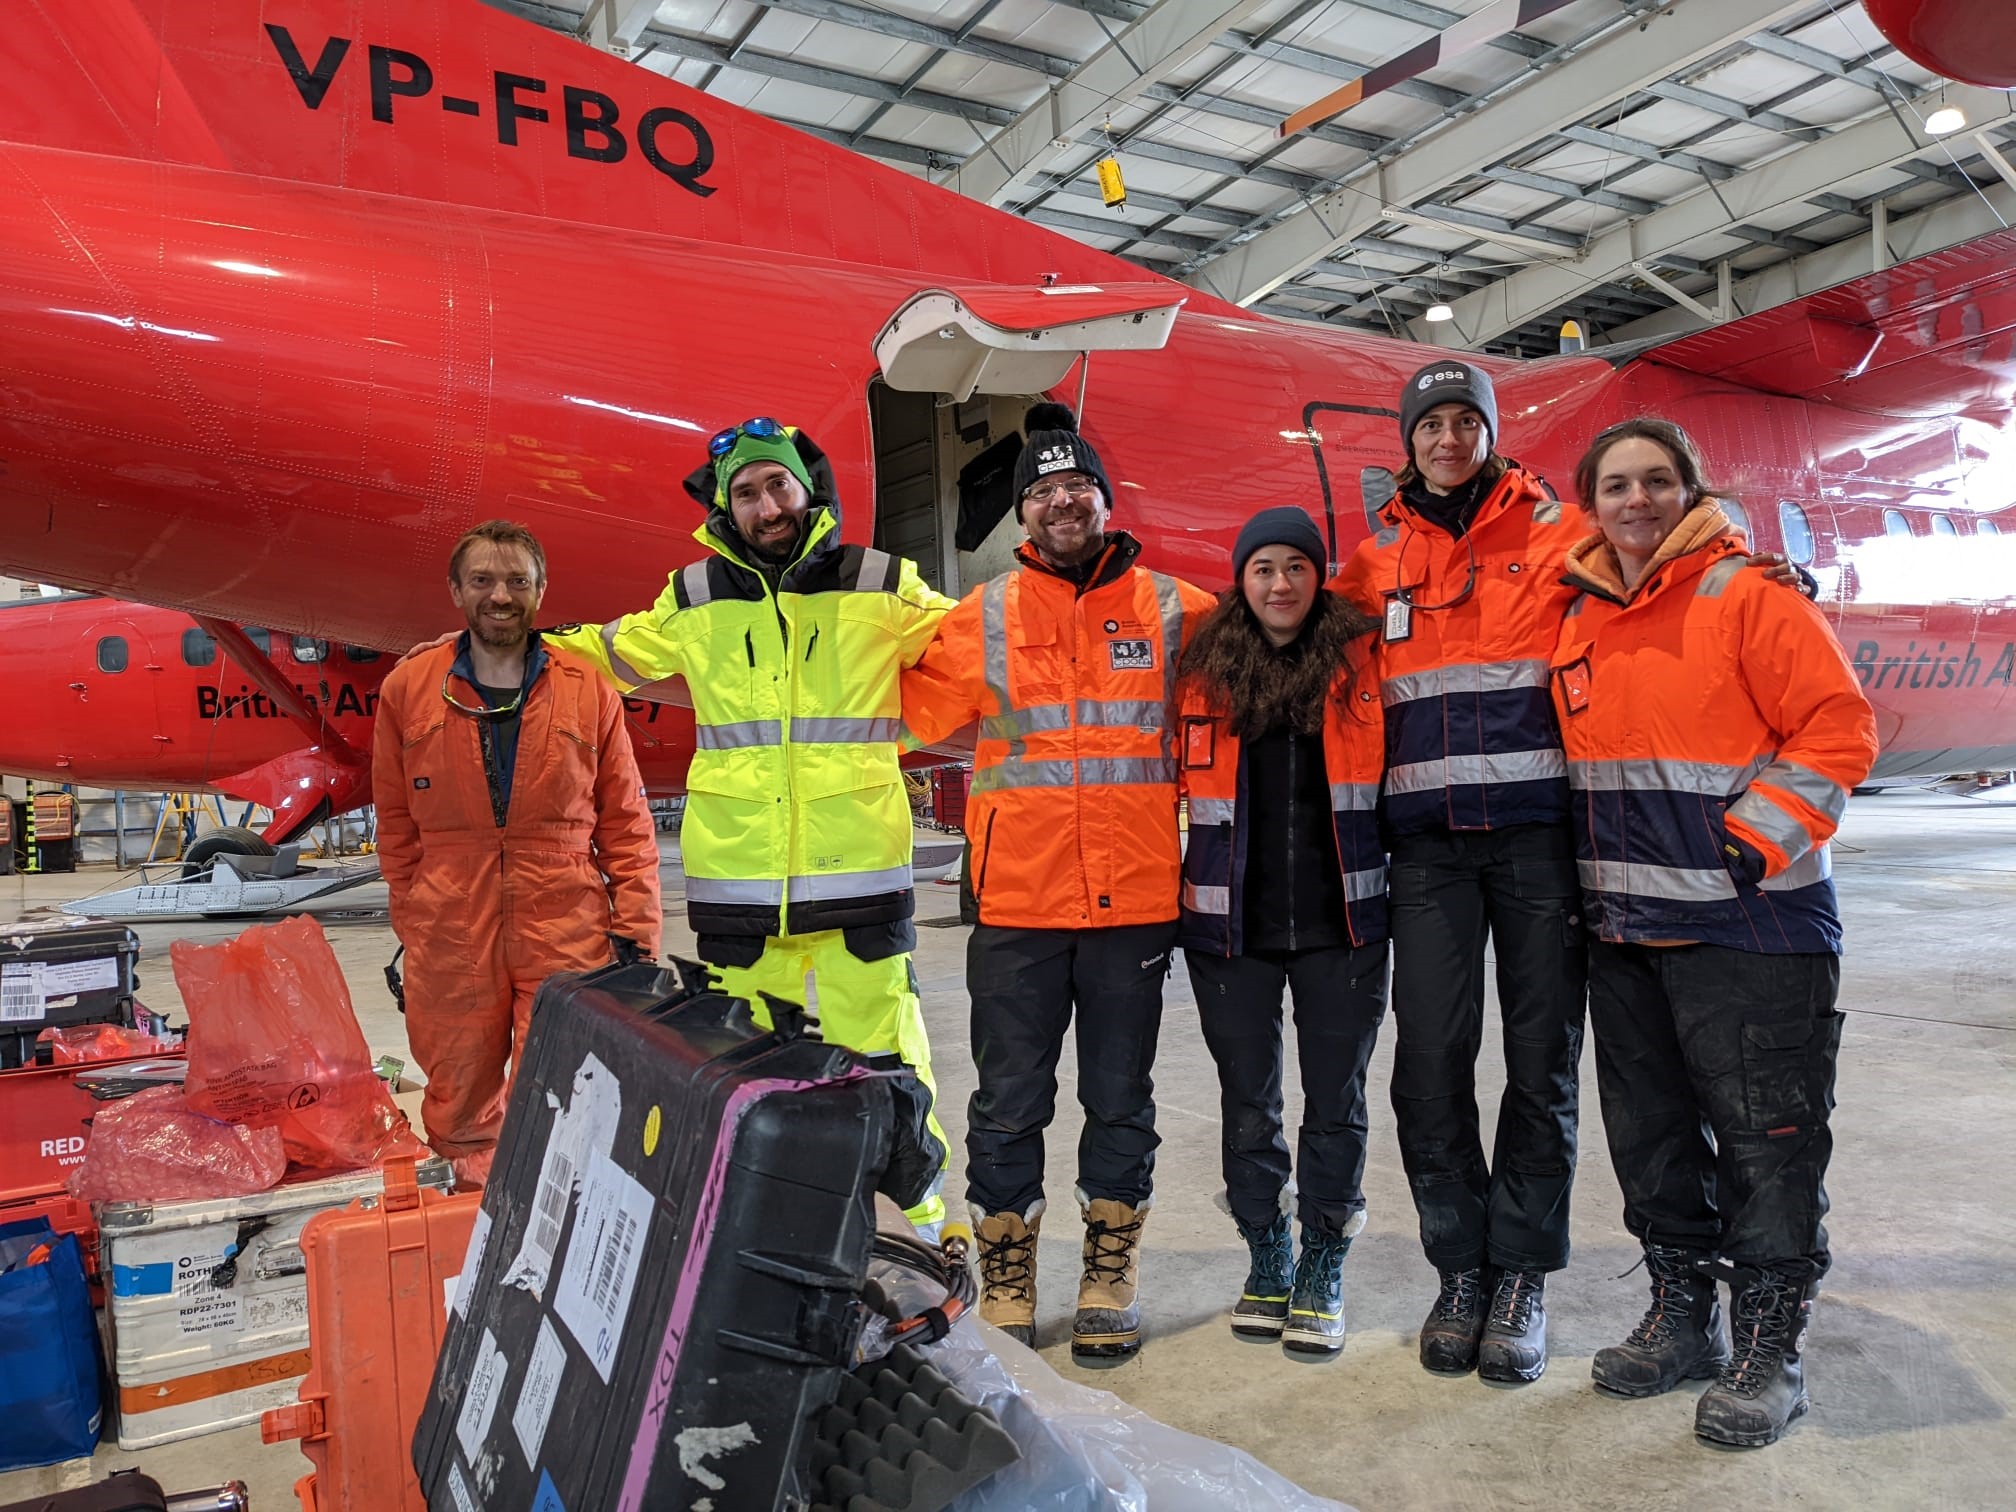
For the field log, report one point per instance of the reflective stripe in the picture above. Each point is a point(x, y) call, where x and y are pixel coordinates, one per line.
point(874, 576)
point(1361, 885)
point(1013, 772)
point(1817, 865)
point(1547, 512)
point(1169, 604)
point(1679, 884)
point(822, 887)
point(625, 673)
point(1475, 771)
point(1207, 900)
point(1110, 771)
point(1824, 793)
point(1649, 774)
point(698, 590)
point(1090, 771)
point(1717, 577)
point(1352, 797)
point(845, 730)
point(1773, 823)
point(994, 638)
point(1132, 713)
point(734, 890)
point(742, 733)
point(1575, 607)
point(1212, 810)
point(1026, 721)
point(1476, 677)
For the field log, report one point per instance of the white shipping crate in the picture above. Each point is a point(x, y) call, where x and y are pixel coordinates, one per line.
point(208, 1302)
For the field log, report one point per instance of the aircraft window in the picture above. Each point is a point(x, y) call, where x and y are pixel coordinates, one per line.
point(263, 639)
point(198, 650)
point(1943, 525)
point(309, 650)
point(362, 655)
point(1895, 524)
point(1738, 515)
point(1987, 527)
point(112, 654)
point(1798, 531)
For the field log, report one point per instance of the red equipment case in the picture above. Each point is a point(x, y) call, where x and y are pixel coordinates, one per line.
point(949, 788)
point(380, 1279)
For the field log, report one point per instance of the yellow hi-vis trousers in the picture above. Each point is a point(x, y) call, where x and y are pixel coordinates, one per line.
point(864, 1005)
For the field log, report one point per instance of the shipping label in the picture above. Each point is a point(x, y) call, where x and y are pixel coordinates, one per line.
point(593, 1295)
point(540, 1391)
point(479, 1402)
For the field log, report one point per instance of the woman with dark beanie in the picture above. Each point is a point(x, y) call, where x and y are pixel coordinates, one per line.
point(1284, 890)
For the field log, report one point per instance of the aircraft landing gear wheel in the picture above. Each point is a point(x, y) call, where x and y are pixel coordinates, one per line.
point(224, 842)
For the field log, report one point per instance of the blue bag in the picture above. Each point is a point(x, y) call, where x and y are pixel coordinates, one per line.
point(51, 1407)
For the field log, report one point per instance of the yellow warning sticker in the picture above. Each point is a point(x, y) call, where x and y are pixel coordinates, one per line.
point(652, 1120)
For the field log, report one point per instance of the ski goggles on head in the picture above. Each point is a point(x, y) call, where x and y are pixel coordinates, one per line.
point(763, 428)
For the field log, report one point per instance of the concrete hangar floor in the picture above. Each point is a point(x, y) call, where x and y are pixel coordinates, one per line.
point(1913, 1355)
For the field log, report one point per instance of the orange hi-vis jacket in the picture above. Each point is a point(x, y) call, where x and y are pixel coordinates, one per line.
point(1466, 629)
point(1713, 731)
point(1211, 771)
point(1072, 819)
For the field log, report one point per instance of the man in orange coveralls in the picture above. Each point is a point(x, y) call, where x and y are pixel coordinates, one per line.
point(513, 832)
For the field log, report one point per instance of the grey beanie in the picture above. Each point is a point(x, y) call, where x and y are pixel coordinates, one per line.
point(1283, 525)
point(1447, 382)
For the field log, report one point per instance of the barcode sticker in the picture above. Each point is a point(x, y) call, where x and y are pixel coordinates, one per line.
point(582, 1130)
point(21, 996)
point(541, 1389)
point(593, 1294)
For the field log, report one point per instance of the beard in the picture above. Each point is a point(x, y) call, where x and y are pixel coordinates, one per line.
point(783, 548)
point(499, 635)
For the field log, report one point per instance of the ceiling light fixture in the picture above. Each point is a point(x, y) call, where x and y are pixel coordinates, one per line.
point(1438, 312)
point(1944, 121)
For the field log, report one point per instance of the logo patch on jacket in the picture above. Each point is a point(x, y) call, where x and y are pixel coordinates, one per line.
point(1130, 655)
point(420, 783)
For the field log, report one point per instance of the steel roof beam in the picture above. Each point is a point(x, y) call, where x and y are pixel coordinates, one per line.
point(1824, 63)
point(1876, 141)
point(1614, 67)
point(1947, 224)
point(1163, 39)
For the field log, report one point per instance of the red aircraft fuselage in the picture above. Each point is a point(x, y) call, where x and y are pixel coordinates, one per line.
point(122, 695)
point(293, 292)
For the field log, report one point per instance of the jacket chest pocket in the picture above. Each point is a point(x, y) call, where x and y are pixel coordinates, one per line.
point(1039, 662)
point(436, 764)
point(1571, 677)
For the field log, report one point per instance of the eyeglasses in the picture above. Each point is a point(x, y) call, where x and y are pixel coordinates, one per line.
point(763, 428)
point(1049, 493)
point(486, 712)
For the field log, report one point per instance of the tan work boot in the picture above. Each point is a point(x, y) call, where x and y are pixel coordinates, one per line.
point(1007, 1244)
point(1108, 1324)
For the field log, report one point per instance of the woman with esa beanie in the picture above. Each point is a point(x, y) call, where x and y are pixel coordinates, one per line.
point(1464, 582)
point(1284, 890)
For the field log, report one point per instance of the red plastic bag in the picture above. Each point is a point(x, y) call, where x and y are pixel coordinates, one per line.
point(79, 1043)
point(152, 1145)
point(274, 1043)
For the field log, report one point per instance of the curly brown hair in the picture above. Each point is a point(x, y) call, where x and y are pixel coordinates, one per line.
point(1255, 687)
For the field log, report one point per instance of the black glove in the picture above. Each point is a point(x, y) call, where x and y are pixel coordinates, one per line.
point(627, 951)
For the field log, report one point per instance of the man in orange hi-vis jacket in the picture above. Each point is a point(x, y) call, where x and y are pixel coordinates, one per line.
point(1069, 664)
point(513, 832)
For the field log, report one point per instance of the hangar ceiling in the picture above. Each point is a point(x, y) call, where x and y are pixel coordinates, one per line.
point(1644, 166)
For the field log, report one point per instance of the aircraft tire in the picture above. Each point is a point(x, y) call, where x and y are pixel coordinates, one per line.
point(231, 841)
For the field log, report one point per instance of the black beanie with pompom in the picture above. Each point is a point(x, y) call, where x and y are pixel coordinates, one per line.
point(1054, 446)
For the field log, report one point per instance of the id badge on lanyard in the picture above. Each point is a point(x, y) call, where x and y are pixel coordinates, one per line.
point(1399, 617)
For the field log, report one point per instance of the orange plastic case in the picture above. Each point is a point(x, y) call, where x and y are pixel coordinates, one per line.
point(380, 1280)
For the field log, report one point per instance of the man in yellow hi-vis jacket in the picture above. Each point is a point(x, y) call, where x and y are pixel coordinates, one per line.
point(797, 832)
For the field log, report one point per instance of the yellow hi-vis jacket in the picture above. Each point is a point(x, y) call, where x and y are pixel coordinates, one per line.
point(796, 817)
